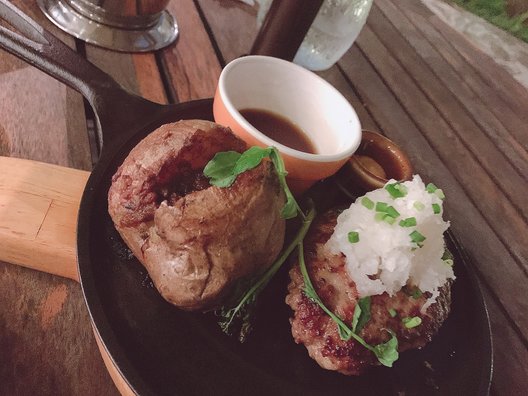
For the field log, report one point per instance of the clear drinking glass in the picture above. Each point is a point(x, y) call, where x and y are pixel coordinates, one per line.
point(332, 33)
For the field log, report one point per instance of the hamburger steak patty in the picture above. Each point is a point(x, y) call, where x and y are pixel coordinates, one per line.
point(312, 327)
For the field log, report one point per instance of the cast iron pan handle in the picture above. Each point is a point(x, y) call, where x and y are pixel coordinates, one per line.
point(116, 109)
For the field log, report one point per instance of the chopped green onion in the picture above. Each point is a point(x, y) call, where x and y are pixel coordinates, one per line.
point(419, 206)
point(392, 212)
point(380, 216)
point(408, 222)
point(367, 203)
point(436, 208)
point(396, 190)
point(449, 262)
point(385, 217)
point(440, 194)
point(431, 188)
point(447, 255)
point(385, 208)
point(412, 322)
point(389, 219)
point(416, 294)
point(353, 237)
point(392, 312)
point(381, 207)
point(416, 237)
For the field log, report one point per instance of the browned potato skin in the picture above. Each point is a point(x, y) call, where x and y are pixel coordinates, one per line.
point(196, 247)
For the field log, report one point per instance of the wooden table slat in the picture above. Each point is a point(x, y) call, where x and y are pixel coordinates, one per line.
point(191, 64)
point(117, 65)
point(421, 34)
point(401, 28)
point(233, 25)
point(149, 79)
point(502, 82)
point(45, 117)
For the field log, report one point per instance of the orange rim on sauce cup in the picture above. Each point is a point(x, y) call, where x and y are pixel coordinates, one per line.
point(304, 98)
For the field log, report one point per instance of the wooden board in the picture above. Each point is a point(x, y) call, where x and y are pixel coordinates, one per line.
point(190, 65)
point(45, 335)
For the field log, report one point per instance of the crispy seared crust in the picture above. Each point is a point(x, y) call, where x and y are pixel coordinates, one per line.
point(195, 240)
point(316, 330)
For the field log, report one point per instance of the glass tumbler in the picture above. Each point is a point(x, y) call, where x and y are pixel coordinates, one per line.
point(332, 33)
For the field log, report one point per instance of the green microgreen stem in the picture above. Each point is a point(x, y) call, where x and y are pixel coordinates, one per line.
point(250, 295)
point(387, 353)
point(225, 167)
point(291, 208)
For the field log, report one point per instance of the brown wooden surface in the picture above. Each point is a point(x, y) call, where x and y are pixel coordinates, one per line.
point(461, 118)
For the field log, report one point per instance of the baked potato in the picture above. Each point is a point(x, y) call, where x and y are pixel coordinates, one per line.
point(195, 240)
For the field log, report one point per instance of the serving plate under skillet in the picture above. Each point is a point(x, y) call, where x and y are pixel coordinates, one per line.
point(162, 350)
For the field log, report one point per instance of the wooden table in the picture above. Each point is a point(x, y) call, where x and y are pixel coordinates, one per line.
point(462, 119)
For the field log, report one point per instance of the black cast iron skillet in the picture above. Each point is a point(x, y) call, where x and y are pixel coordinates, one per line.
point(159, 349)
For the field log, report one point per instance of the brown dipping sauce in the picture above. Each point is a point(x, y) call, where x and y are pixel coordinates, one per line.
point(279, 128)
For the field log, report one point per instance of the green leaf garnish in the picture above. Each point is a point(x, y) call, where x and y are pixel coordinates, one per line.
point(250, 159)
point(386, 353)
point(396, 190)
point(392, 312)
point(367, 203)
point(353, 237)
point(412, 322)
point(361, 314)
point(224, 168)
point(242, 310)
point(408, 222)
point(436, 208)
point(220, 169)
point(440, 194)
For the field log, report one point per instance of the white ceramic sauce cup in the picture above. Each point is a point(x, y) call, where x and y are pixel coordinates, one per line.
point(311, 103)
